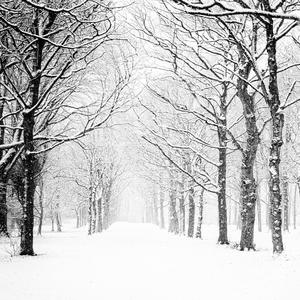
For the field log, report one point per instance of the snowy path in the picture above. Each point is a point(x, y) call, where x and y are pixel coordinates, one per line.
point(141, 262)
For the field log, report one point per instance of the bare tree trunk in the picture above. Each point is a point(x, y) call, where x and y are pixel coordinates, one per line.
point(161, 207)
point(277, 141)
point(81, 217)
point(222, 136)
point(3, 206)
point(3, 177)
point(181, 206)
point(90, 215)
point(191, 221)
point(173, 218)
point(90, 201)
point(28, 205)
point(99, 215)
point(155, 206)
point(52, 218)
point(94, 212)
point(28, 130)
point(106, 213)
point(297, 187)
point(58, 218)
point(248, 184)
point(77, 218)
point(248, 207)
point(200, 216)
point(275, 195)
point(285, 195)
point(239, 221)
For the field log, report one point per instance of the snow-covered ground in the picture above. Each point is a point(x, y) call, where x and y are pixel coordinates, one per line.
point(142, 262)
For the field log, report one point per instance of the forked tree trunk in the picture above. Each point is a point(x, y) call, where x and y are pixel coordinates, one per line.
point(248, 184)
point(200, 216)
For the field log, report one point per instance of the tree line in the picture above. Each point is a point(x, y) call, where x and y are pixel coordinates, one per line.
point(47, 51)
point(222, 86)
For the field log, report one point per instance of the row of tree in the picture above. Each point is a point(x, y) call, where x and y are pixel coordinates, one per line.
point(48, 49)
point(221, 85)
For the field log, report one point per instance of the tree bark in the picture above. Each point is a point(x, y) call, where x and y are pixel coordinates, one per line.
point(268, 212)
point(248, 183)
point(276, 142)
point(161, 207)
point(77, 218)
point(248, 194)
point(29, 188)
point(222, 136)
point(58, 218)
point(173, 218)
point(297, 187)
point(94, 212)
point(3, 206)
point(99, 215)
point(28, 130)
point(200, 216)
point(3, 177)
point(182, 205)
point(191, 221)
point(155, 208)
point(285, 195)
point(52, 218)
point(90, 213)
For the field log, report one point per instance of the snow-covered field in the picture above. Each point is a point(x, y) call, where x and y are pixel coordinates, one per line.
point(142, 262)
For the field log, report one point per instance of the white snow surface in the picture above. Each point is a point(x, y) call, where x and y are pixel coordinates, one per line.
point(141, 262)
